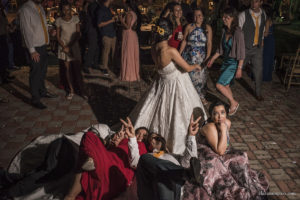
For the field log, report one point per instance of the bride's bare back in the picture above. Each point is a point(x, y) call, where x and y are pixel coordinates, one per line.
point(163, 54)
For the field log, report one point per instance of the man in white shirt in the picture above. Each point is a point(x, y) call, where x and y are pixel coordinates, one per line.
point(34, 29)
point(159, 173)
point(252, 22)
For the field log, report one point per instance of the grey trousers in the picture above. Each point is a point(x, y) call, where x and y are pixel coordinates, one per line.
point(255, 56)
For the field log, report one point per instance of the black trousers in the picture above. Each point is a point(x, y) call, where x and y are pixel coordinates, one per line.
point(158, 179)
point(38, 71)
point(3, 57)
point(93, 52)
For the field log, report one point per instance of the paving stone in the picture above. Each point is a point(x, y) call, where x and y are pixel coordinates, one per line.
point(255, 164)
point(261, 154)
point(240, 146)
point(273, 187)
point(286, 162)
point(278, 137)
point(71, 117)
point(249, 138)
point(54, 124)
point(75, 107)
point(83, 123)
point(44, 118)
point(256, 130)
point(67, 129)
point(270, 145)
point(294, 155)
point(278, 174)
point(59, 112)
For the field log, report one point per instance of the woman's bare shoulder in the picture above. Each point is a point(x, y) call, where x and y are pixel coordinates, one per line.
point(209, 127)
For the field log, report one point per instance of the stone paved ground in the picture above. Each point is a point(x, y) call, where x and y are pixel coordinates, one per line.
point(269, 131)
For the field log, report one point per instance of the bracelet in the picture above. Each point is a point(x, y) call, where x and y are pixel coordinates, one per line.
point(240, 67)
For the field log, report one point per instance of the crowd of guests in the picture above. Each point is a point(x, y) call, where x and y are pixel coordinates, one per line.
point(174, 161)
point(84, 38)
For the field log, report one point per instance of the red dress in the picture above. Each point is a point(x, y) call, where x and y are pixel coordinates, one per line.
point(113, 172)
point(172, 41)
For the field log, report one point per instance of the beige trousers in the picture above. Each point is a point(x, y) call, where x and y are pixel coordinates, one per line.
point(108, 45)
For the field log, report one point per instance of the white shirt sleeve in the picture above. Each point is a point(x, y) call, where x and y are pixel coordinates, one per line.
point(242, 19)
point(190, 151)
point(134, 155)
point(26, 29)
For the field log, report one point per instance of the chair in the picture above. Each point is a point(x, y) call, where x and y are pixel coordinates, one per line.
point(292, 70)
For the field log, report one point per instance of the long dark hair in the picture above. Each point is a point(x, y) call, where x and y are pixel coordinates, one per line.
point(203, 25)
point(135, 9)
point(231, 12)
point(173, 19)
point(215, 104)
point(158, 138)
point(162, 30)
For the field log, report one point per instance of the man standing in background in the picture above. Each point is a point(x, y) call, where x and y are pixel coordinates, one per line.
point(93, 38)
point(252, 22)
point(105, 21)
point(34, 29)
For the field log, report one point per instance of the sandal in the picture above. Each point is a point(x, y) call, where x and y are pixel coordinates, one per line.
point(234, 110)
point(70, 96)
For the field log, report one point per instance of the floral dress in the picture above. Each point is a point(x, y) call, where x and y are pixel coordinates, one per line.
point(225, 177)
point(195, 53)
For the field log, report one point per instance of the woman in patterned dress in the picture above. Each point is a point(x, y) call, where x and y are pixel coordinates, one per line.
point(225, 172)
point(196, 48)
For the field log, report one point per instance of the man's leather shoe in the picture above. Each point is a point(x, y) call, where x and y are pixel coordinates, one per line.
point(259, 98)
point(39, 105)
point(49, 95)
point(194, 171)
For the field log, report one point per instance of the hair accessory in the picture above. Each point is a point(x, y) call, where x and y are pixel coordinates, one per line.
point(159, 30)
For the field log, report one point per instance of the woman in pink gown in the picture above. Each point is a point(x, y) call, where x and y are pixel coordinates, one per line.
point(130, 69)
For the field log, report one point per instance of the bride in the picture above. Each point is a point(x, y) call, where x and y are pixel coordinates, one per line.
point(168, 105)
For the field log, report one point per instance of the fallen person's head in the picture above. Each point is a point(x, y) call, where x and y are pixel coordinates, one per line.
point(156, 142)
point(141, 134)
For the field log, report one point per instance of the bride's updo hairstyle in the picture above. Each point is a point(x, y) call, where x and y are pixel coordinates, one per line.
point(163, 30)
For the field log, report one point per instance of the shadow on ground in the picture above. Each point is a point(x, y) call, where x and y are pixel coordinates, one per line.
point(107, 105)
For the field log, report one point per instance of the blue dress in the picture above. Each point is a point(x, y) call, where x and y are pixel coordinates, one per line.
point(229, 64)
point(268, 55)
point(195, 53)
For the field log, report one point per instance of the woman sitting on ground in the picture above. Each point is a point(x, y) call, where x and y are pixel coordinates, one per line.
point(225, 172)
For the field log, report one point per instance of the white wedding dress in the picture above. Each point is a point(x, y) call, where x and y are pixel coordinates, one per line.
point(167, 107)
